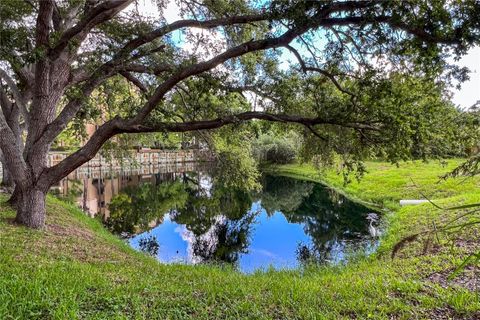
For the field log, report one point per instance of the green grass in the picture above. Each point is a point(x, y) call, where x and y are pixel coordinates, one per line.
point(76, 270)
point(385, 184)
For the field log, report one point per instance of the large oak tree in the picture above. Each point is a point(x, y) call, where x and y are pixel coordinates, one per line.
point(55, 55)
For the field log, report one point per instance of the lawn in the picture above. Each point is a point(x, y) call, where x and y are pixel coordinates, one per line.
point(75, 269)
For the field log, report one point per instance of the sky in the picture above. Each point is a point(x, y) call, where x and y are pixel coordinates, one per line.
point(273, 242)
point(470, 90)
point(464, 97)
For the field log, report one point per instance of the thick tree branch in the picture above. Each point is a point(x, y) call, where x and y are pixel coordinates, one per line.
point(198, 68)
point(134, 81)
point(12, 154)
point(69, 111)
point(39, 116)
point(56, 17)
point(118, 125)
point(190, 23)
point(16, 95)
point(394, 23)
point(42, 29)
point(236, 118)
point(11, 113)
point(5, 103)
point(95, 16)
point(92, 81)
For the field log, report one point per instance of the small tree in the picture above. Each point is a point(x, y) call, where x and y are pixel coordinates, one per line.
point(55, 54)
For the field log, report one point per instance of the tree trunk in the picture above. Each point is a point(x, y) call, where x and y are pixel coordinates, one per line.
point(13, 200)
point(31, 208)
point(7, 178)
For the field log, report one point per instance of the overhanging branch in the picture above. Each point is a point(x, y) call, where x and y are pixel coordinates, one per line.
point(118, 125)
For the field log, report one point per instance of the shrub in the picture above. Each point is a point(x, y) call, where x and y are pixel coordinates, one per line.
point(273, 149)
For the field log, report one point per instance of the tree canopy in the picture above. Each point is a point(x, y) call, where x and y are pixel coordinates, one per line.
point(362, 73)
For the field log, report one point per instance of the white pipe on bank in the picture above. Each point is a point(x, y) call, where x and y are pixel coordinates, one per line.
point(412, 202)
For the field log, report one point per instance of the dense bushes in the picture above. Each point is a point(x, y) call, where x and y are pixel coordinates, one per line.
point(274, 149)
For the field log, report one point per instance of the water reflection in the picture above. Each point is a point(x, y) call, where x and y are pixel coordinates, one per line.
point(192, 218)
point(149, 245)
point(335, 224)
point(93, 187)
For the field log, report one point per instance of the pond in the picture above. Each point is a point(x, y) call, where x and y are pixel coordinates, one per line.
point(189, 217)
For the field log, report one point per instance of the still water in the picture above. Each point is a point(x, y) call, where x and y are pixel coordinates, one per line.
point(188, 216)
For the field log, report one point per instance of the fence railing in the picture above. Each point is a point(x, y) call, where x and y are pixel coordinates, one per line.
point(138, 159)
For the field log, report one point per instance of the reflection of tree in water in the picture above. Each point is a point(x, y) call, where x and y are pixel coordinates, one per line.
point(283, 194)
point(220, 221)
point(149, 245)
point(226, 241)
point(218, 217)
point(329, 217)
point(135, 208)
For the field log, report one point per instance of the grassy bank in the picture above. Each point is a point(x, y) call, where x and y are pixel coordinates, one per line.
point(385, 184)
point(75, 269)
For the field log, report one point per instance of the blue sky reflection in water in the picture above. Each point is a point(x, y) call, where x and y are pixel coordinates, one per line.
point(258, 230)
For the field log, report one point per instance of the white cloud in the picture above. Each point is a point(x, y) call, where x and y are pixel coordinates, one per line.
point(145, 8)
point(470, 90)
point(172, 12)
point(149, 9)
point(204, 43)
